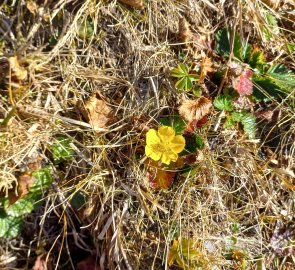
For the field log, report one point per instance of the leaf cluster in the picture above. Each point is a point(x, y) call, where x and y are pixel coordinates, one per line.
point(270, 80)
point(185, 77)
point(248, 120)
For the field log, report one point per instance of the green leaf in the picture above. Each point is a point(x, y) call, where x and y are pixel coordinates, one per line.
point(193, 143)
point(62, 150)
point(43, 180)
point(257, 59)
point(184, 84)
point(277, 82)
point(290, 48)
point(246, 52)
point(248, 121)
point(10, 226)
point(264, 88)
point(272, 27)
point(223, 47)
point(186, 79)
point(22, 206)
point(249, 125)
point(78, 200)
point(282, 77)
point(238, 48)
point(229, 122)
point(176, 122)
point(237, 116)
point(86, 29)
point(223, 102)
point(222, 42)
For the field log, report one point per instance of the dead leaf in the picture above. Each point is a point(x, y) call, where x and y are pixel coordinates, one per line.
point(269, 115)
point(195, 41)
point(41, 264)
point(25, 182)
point(274, 4)
point(206, 67)
point(95, 111)
point(17, 72)
point(32, 6)
point(90, 263)
point(194, 110)
point(185, 34)
point(243, 85)
point(133, 3)
point(242, 102)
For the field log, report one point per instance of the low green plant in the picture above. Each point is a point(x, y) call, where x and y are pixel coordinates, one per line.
point(61, 150)
point(233, 117)
point(185, 77)
point(12, 214)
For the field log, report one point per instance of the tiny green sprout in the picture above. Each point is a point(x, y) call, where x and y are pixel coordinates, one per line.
point(186, 79)
point(235, 227)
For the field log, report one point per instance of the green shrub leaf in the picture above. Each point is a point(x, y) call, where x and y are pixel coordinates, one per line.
point(10, 226)
point(78, 200)
point(62, 150)
point(43, 180)
point(246, 119)
point(223, 102)
point(22, 206)
point(257, 59)
point(176, 122)
point(222, 42)
point(282, 77)
point(223, 47)
point(186, 79)
point(249, 125)
point(277, 82)
point(272, 27)
point(193, 143)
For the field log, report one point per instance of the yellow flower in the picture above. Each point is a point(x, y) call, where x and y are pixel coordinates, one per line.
point(163, 144)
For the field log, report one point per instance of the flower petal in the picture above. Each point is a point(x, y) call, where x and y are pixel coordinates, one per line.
point(167, 157)
point(150, 152)
point(166, 133)
point(177, 144)
point(152, 137)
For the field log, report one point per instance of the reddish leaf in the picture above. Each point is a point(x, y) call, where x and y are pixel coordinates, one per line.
point(160, 179)
point(190, 159)
point(88, 264)
point(243, 84)
point(191, 127)
point(41, 263)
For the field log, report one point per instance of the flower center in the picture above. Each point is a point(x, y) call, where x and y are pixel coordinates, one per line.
point(162, 147)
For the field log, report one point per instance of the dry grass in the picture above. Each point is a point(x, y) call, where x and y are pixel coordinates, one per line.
point(124, 223)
